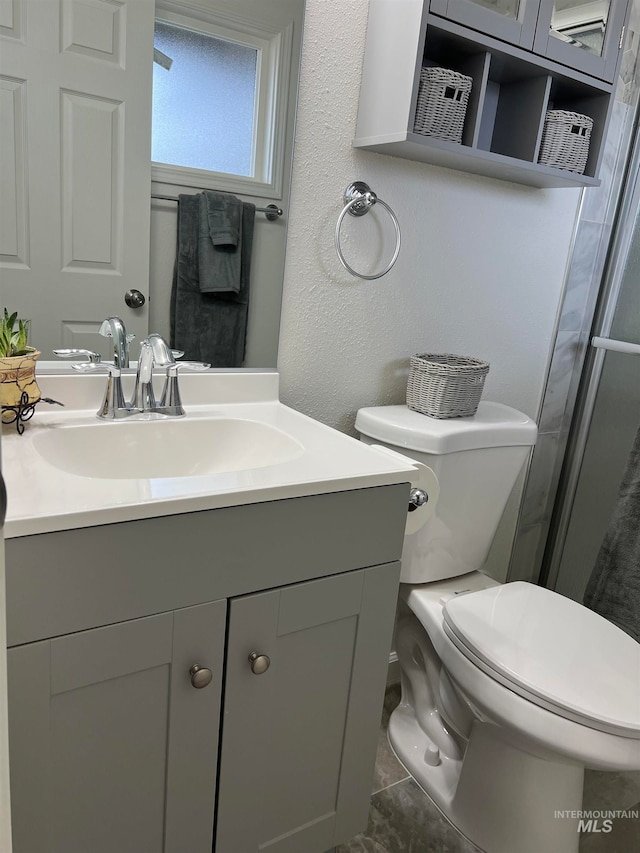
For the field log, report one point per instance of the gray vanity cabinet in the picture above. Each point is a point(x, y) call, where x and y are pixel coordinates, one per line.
point(297, 758)
point(112, 747)
point(107, 752)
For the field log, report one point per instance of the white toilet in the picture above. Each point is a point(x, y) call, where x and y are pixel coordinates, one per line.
point(508, 690)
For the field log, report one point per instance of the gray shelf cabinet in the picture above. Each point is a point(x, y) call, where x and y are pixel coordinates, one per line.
point(112, 747)
point(512, 90)
point(600, 59)
point(581, 35)
point(513, 21)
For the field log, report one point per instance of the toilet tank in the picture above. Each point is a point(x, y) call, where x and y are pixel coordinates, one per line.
point(477, 461)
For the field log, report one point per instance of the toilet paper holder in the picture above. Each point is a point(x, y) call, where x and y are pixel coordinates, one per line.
point(424, 493)
point(417, 498)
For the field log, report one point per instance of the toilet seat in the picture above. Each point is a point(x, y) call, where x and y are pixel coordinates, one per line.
point(552, 651)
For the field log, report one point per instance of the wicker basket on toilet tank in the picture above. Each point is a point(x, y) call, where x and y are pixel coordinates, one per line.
point(443, 385)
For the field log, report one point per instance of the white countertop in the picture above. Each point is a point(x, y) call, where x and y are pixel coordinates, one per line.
point(43, 498)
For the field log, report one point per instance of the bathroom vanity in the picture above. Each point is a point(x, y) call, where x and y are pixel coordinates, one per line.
point(199, 662)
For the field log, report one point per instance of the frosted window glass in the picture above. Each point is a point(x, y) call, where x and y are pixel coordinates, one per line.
point(203, 108)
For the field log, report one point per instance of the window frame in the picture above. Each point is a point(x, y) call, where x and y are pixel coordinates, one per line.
point(272, 95)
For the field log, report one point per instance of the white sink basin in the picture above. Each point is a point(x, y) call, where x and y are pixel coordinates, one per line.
point(237, 445)
point(164, 448)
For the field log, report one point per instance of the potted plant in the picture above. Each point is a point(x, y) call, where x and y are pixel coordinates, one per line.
point(17, 363)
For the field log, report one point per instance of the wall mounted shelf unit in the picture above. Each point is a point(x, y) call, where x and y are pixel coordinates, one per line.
point(512, 90)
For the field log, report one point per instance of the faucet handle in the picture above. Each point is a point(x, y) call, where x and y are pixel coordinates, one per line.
point(98, 367)
point(172, 369)
point(93, 357)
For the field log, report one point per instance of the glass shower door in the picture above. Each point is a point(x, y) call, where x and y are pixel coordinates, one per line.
point(610, 416)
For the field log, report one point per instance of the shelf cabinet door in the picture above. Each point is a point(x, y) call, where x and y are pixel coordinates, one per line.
point(111, 747)
point(513, 21)
point(587, 36)
point(299, 739)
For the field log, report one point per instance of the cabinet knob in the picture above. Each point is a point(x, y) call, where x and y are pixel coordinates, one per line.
point(259, 663)
point(200, 676)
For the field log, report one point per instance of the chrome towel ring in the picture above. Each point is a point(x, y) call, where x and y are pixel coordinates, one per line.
point(358, 199)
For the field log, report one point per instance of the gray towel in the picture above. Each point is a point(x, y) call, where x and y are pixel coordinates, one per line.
point(209, 326)
point(613, 590)
point(219, 243)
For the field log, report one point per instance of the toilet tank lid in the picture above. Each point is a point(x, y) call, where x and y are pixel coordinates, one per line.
point(493, 425)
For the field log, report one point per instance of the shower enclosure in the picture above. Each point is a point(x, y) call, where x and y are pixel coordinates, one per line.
point(608, 411)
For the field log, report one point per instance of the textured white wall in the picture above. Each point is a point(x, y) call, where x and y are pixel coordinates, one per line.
point(480, 272)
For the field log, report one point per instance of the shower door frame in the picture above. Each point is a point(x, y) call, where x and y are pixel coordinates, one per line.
point(599, 344)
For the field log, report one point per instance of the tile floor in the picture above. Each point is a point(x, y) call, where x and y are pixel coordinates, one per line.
point(403, 819)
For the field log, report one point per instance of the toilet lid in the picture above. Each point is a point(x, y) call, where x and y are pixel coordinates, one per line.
point(552, 650)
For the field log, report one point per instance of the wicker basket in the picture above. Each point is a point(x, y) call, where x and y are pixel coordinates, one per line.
point(443, 96)
point(445, 385)
point(565, 140)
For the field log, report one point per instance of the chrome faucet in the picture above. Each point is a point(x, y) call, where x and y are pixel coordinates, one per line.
point(113, 327)
point(113, 406)
point(155, 351)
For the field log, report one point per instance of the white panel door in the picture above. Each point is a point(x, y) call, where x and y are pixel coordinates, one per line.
point(75, 136)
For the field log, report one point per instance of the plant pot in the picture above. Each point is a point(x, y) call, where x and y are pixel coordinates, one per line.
point(18, 377)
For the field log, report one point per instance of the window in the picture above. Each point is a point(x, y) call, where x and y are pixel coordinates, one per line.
point(204, 104)
point(220, 90)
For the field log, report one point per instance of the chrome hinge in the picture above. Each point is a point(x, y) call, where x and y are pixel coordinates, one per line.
point(621, 42)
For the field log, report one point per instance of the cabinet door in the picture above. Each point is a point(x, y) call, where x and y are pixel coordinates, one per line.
point(299, 739)
point(111, 747)
point(513, 21)
point(584, 35)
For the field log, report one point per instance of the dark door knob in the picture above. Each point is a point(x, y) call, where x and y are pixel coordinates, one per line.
point(134, 299)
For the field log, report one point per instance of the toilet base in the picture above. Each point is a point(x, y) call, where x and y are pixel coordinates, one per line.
point(498, 796)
